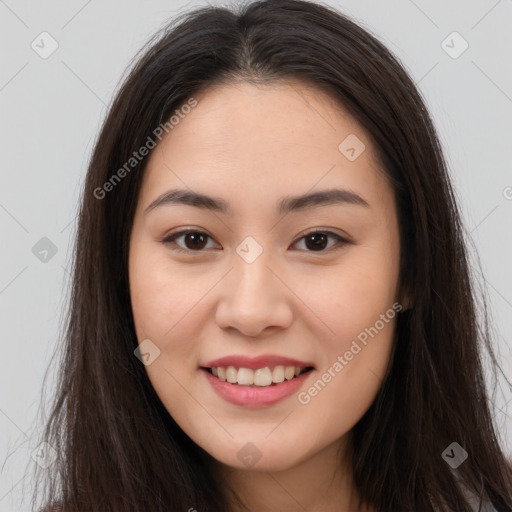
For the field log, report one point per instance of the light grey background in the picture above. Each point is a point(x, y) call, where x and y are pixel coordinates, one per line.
point(51, 110)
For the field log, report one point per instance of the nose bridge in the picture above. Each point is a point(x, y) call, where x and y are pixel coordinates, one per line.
point(252, 283)
point(253, 298)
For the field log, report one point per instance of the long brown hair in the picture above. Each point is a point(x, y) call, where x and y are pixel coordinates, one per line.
point(118, 448)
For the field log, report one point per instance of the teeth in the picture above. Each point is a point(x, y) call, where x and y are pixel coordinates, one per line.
point(231, 374)
point(289, 372)
point(261, 377)
point(246, 377)
point(278, 374)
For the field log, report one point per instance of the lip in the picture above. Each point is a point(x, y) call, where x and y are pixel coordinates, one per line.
point(253, 396)
point(256, 362)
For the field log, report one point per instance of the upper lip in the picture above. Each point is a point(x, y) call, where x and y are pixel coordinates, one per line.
point(254, 363)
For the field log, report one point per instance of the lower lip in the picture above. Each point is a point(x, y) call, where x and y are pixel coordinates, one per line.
point(253, 396)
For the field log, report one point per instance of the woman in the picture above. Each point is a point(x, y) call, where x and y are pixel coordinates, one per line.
point(221, 353)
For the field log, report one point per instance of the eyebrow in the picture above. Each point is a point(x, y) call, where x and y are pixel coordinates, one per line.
point(284, 206)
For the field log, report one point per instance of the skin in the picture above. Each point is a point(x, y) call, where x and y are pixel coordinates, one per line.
point(253, 145)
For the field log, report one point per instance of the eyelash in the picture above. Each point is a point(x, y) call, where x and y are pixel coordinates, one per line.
point(171, 240)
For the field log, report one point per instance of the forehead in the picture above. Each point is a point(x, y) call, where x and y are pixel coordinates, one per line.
point(243, 118)
point(282, 137)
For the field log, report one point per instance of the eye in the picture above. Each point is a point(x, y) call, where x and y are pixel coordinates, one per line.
point(196, 241)
point(318, 240)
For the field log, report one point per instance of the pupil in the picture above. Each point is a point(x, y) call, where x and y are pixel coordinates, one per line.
point(196, 239)
point(316, 243)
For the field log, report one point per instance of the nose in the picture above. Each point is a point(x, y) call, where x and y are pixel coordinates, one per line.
point(254, 299)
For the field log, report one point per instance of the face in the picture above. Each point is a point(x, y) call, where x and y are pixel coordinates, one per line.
point(237, 288)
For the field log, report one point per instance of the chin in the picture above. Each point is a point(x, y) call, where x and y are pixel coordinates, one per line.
point(265, 456)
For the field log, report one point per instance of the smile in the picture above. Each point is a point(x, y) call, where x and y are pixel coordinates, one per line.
point(256, 382)
point(261, 377)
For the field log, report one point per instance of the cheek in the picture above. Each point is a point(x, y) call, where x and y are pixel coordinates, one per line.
point(354, 370)
point(160, 295)
point(150, 296)
point(167, 309)
point(358, 304)
point(160, 303)
point(353, 295)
